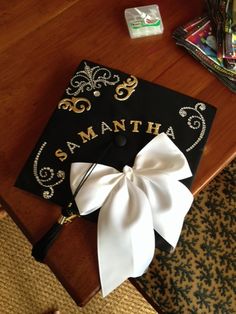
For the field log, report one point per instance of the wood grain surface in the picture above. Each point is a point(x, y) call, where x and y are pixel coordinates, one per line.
point(41, 44)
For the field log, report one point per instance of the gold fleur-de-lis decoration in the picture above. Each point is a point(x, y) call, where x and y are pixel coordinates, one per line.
point(126, 89)
point(77, 105)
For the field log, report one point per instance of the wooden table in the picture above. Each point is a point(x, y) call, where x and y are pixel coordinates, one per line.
point(41, 44)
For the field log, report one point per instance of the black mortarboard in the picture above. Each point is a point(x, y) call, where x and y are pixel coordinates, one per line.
point(107, 116)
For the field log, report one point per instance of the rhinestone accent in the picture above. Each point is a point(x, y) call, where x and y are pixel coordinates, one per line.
point(45, 175)
point(91, 78)
point(96, 93)
point(195, 121)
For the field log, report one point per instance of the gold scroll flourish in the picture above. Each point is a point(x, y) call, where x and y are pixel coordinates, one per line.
point(72, 104)
point(124, 90)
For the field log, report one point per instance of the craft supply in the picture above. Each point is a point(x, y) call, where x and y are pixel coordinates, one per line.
point(144, 21)
point(201, 40)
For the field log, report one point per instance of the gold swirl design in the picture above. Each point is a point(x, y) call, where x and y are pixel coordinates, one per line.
point(126, 89)
point(72, 104)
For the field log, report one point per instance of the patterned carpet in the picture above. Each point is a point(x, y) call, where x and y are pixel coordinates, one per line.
point(200, 276)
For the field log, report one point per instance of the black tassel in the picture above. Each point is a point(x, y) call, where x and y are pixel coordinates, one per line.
point(41, 247)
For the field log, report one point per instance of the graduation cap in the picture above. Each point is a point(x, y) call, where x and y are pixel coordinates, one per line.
point(123, 151)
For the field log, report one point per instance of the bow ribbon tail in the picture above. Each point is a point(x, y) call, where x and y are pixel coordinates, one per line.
point(125, 236)
point(170, 201)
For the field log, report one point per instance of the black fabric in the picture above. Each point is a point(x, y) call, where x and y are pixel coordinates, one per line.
point(148, 103)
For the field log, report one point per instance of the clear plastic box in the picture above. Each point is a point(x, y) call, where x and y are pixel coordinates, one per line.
point(144, 21)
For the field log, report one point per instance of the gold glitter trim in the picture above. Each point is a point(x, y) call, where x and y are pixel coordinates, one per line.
point(64, 220)
point(126, 89)
point(71, 104)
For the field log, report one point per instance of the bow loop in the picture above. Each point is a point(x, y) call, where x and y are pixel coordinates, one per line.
point(164, 156)
point(96, 188)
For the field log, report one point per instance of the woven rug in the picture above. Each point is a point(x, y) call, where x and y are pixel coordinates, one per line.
point(200, 276)
point(27, 287)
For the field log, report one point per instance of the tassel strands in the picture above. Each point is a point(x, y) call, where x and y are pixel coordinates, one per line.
point(41, 247)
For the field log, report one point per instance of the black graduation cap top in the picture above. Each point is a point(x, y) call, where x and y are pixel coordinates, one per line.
point(107, 116)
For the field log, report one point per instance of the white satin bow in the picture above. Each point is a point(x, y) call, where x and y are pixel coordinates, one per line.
point(133, 203)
